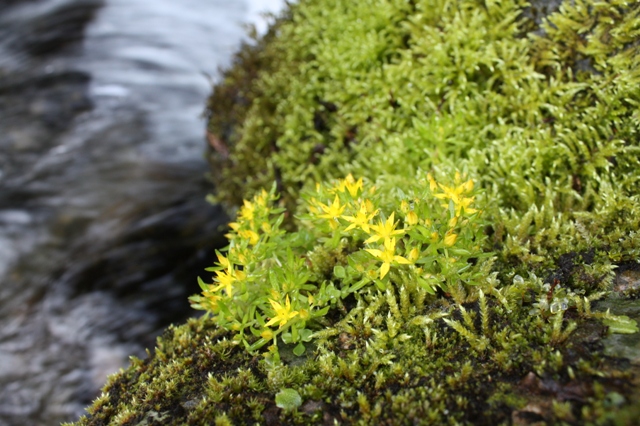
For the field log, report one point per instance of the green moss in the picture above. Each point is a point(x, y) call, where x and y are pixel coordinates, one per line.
point(373, 367)
point(542, 113)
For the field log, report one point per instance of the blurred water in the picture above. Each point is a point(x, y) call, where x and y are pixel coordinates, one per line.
point(103, 224)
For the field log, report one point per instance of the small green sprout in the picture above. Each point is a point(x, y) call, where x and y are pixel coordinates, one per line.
point(288, 399)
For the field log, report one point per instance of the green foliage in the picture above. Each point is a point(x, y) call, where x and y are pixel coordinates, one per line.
point(262, 289)
point(400, 356)
point(390, 298)
point(288, 399)
point(545, 118)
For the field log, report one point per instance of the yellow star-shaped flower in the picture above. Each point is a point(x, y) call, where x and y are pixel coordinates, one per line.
point(456, 194)
point(332, 212)
point(352, 185)
point(250, 235)
point(361, 219)
point(384, 230)
point(247, 211)
point(283, 313)
point(388, 256)
point(227, 277)
point(349, 184)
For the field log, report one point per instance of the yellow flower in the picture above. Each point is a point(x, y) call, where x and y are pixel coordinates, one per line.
point(370, 207)
point(450, 239)
point(267, 334)
point(332, 212)
point(266, 227)
point(223, 261)
point(456, 194)
point(361, 219)
point(433, 185)
point(388, 256)
point(384, 230)
point(283, 313)
point(212, 299)
point(227, 277)
point(247, 211)
point(414, 254)
point(453, 221)
point(352, 185)
point(261, 199)
point(349, 184)
point(250, 235)
point(412, 218)
point(304, 314)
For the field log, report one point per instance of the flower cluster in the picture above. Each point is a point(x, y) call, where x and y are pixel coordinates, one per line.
point(424, 241)
point(366, 239)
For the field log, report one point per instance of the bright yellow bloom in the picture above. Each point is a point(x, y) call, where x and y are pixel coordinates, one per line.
point(412, 218)
point(239, 255)
point(227, 277)
point(350, 184)
point(332, 212)
point(388, 256)
point(250, 235)
point(414, 254)
point(247, 211)
point(456, 194)
point(361, 219)
point(384, 230)
point(433, 185)
point(223, 261)
point(450, 239)
point(261, 199)
point(370, 207)
point(212, 299)
point(283, 313)
point(453, 221)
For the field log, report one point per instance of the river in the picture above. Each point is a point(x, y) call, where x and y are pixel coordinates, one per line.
point(103, 223)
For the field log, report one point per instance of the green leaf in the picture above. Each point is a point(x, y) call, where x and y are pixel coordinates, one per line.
point(339, 271)
point(258, 344)
point(286, 337)
point(288, 399)
point(322, 312)
point(305, 335)
point(621, 324)
point(299, 349)
point(357, 286)
point(202, 284)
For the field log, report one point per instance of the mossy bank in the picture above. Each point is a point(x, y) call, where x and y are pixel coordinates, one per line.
point(458, 203)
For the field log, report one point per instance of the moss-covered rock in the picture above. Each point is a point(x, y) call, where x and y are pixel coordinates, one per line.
point(541, 112)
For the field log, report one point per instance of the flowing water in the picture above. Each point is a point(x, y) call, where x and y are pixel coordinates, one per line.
point(103, 224)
